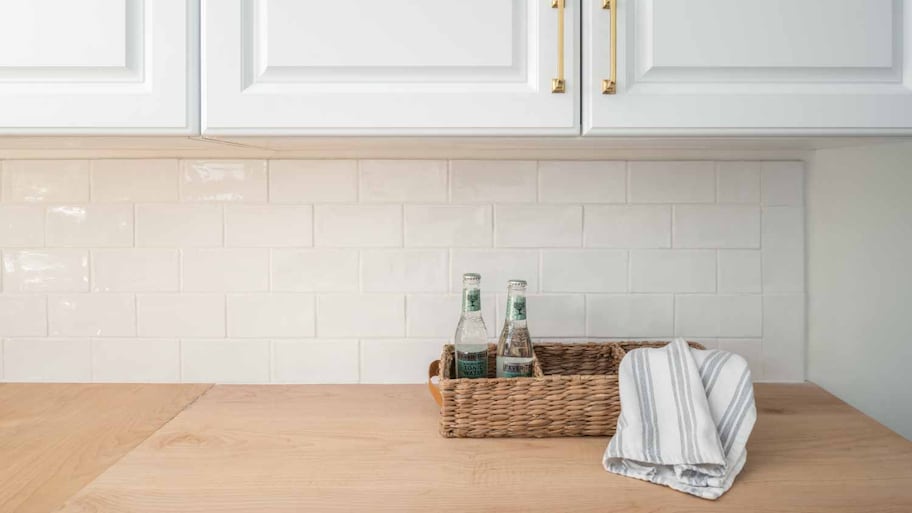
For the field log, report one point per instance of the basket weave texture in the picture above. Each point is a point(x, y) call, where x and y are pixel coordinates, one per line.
point(573, 392)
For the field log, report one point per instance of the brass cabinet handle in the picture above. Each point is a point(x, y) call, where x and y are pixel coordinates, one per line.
point(609, 86)
point(559, 85)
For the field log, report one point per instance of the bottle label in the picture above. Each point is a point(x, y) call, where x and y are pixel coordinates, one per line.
point(471, 300)
point(516, 369)
point(516, 308)
point(472, 365)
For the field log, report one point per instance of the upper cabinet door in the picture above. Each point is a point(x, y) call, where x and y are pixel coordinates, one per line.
point(98, 66)
point(748, 66)
point(394, 67)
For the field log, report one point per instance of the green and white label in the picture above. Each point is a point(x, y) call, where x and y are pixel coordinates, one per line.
point(471, 300)
point(472, 365)
point(516, 308)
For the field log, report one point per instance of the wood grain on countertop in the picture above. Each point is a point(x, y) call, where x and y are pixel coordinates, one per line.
point(376, 448)
point(56, 438)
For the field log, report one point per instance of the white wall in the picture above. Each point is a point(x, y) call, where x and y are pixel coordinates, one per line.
point(348, 271)
point(860, 279)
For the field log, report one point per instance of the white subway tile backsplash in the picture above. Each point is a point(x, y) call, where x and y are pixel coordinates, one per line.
point(404, 270)
point(783, 183)
point(576, 181)
point(675, 270)
point(225, 361)
point(131, 360)
point(47, 359)
point(135, 180)
point(361, 315)
point(718, 316)
point(436, 316)
point(672, 182)
point(496, 267)
point(271, 315)
point(740, 271)
point(90, 226)
point(531, 226)
point(92, 315)
point(738, 182)
point(584, 271)
point(632, 316)
point(319, 271)
point(397, 361)
point(783, 337)
point(223, 180)
point(358, 226)
point(315, 270)
point(315, 361)
point(180, 315)
point(750, 349)
point(445, 226)
point(135, 270)
point(23, 316)
point(49, 181)
point(627, 226)
point(553, 315)
point(21, 226)
point(716, 226)
point(403, 181)
point(313, 181)
point(493, 181)
point(783, 249)
point(170, 226)
point(46, 270)
point(268, 226)
point(225, 270)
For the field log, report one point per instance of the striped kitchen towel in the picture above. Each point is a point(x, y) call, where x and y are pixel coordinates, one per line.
point(685, 418)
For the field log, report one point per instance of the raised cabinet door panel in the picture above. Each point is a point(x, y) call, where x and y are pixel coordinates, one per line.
point(392, 67)
point(747, 66)
point(98, 66)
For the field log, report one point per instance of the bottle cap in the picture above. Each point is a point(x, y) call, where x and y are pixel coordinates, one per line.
point(471, 277)
point(516, 283)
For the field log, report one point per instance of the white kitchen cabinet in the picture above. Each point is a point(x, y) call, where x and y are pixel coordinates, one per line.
point(98, 66)
point(285, 67)
point(714, 67)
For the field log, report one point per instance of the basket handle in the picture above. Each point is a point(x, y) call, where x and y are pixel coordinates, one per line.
point(434, 370)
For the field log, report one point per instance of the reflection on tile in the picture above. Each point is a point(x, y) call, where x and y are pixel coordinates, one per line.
point(49, 270)
point(46, 181)
point(223, 180)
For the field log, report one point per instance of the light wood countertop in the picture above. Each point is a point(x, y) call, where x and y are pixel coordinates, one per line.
point(376, 448)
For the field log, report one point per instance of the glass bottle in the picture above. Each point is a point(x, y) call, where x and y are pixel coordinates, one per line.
point(471, 335)
point(514, 349)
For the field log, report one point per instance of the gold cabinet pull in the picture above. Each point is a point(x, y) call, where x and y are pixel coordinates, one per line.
point(609, 86)
point(559, 85)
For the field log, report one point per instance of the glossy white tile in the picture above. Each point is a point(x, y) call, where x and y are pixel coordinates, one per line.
point(92, 315)
point(46, 270)
point(131, 360)
point(403, 181)
point(315, 361)
point(135, 180)
point(313, 181)
point(58, 181)
point(268, 226)
point(271, 315)
point(314, 270)
point(90, 226)
point(223, 180)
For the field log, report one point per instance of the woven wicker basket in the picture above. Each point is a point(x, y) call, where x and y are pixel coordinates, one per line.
point(573, 392)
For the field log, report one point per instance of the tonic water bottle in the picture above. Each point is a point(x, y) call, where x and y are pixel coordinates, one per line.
point(514, 349)
point(471, 336)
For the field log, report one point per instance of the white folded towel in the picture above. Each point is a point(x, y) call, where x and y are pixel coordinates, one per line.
point(685, 418)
